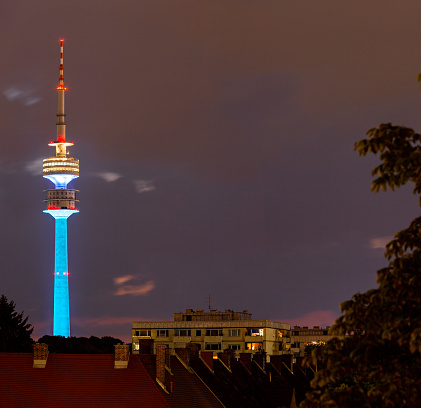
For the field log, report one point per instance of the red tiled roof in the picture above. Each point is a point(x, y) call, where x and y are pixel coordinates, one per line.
point(76, 380)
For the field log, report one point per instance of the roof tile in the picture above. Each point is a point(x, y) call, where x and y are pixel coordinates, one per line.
point(76, 380)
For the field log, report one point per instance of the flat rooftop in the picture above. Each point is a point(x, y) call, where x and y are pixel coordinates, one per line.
point(211, 319)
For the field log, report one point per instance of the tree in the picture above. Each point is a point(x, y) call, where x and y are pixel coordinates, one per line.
point(15, 331)
point(377, 362)
point(80, 345)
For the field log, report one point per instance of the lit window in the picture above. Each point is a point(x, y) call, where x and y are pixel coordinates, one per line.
point(254, 346)
point(255, 332)
point(315, 343)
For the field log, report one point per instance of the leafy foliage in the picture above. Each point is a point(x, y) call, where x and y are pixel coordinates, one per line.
point(377, 362)
point(80, 345)
point(400, 156)
point(15, 331)
point(310, 347)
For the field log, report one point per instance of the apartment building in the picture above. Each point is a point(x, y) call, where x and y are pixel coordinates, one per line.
point(215, 331)
point(305, 336)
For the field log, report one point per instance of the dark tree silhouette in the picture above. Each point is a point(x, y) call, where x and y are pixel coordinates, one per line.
point(15, 331)
point(80, 345)
point(377, 363)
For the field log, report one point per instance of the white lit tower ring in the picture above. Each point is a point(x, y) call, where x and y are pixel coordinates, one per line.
point(61, 204)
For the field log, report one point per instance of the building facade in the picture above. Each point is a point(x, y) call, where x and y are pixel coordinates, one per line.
point(216, 331)
point(305, 336)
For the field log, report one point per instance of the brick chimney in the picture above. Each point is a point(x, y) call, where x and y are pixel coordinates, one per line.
point(276, 361)
point(227, 357)
point(121, 355)
point(160, 364)
point(40, 355)
point(287, 360)
point(245, 358)
point(260, 359)
point(184, 355)
point(207, 357)
point(167, 358)
point(193, 351)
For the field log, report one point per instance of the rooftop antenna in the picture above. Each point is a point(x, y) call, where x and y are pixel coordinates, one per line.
point(209, 301)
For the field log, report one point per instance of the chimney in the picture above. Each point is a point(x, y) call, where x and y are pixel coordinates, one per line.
point(287, 360)
point(121, 355)
point(227, 357)
point(245, 358)
point(160, 364)
point(276, 361)
point(207, 357)
point(184, 355)
point(260, 359)
point(167, 358)
point(300, 360)
point(40, 355)
point(193, 350)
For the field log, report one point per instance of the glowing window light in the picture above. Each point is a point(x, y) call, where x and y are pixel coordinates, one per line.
point(254, 346)
point(61, 164)
point(63, 170)
point(57, 168)
point(255, 332)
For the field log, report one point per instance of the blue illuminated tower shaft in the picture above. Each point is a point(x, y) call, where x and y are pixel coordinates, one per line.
point(61, 325)
point(61, 321)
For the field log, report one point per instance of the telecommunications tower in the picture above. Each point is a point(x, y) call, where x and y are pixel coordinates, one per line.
point(61, 170)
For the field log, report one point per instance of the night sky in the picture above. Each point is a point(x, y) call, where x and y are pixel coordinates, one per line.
point(215, 141)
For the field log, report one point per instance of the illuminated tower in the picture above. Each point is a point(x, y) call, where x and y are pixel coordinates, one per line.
point(61, 200)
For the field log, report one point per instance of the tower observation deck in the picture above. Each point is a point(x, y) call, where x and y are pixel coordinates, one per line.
point(61, 204)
